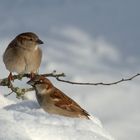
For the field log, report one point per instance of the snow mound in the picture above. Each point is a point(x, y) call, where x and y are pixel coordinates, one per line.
point(4, 101)
point(26, 121)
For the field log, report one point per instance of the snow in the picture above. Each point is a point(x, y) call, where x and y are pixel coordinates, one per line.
point(4, 101)
point(27, 121)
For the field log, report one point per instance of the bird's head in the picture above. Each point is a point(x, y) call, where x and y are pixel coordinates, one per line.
point(28, 40)
point(40, 81)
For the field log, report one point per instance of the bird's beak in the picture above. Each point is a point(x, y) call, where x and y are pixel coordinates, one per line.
point(31, 82)
point(39, 41)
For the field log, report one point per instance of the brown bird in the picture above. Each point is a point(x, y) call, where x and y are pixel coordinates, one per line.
point(23, 54)
point(54, 101)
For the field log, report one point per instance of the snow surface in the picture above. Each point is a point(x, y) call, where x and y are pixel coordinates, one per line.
point(26, 121)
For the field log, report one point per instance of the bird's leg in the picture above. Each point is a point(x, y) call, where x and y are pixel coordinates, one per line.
point(32, 75)
point(10, 78)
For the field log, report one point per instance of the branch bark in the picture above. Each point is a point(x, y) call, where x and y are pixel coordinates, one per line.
point(21, 91)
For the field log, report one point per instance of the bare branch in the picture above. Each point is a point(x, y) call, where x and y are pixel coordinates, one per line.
point(21, 91)
point(4, 82)
point(99, 83)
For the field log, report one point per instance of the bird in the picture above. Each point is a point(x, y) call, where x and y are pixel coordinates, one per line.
point(54, 101)
point(23, 54)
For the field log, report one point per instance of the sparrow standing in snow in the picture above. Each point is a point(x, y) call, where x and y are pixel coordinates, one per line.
point(23, 54)
point(54, 101)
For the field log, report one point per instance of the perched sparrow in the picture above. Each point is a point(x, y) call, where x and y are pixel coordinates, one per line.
point(23, 54)
point(54, 101)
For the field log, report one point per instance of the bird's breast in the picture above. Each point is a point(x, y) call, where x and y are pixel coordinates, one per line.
point(32, 59)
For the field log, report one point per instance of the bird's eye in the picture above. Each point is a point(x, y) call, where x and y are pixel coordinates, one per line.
point(31, 39)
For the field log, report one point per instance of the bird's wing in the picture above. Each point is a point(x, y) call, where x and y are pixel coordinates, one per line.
point(64, 102)
point(13, 59)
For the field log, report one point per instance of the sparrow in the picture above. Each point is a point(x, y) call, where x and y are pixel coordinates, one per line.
point(23, 54)
point(54, 101)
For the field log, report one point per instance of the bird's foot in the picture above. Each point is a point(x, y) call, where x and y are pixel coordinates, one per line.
point(10, 78)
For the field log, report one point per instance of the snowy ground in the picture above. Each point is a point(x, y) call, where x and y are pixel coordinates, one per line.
point(26, 121)
point(90, 41)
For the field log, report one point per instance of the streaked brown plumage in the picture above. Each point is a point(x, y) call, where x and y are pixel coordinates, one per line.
point(23, 54)
point(54, 101)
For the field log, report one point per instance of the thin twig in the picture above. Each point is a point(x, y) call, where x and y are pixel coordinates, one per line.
point(99, 83)
point(8, 94)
